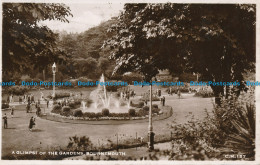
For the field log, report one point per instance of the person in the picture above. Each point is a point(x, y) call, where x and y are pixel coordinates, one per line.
point(145, 101)
point(8, 99)
point(32, 123)
point(20, 99)
point(179, 94)
point(5, 121)
point(163, 101)
point(27, 108)
point(12, 112)
point(38, 111)
point(159, 92)
point(32, 98)
point(48, 103)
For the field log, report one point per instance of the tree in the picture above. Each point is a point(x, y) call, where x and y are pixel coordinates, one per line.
point(27, 45)
point(207, 39)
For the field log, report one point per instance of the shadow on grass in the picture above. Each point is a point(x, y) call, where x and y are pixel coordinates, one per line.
point(9, 128)
point(37, 130)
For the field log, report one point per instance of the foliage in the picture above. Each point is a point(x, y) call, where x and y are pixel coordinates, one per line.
point(75, 104)
point(79, 143)
point(61, 95)
point(204, 93)
point(15, 90)
point(131, 112)
point(145, 108)
point(105, 112)
point(27, 44)
point(147, 97)
point(155, 106)
point(152, 37)
point(66, 111)
point(5, 105)
point(77, 113)
point(56, 109)
point(87, 59)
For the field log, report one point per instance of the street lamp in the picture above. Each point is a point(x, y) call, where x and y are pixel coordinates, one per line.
point(53, 71)
point(150, 127)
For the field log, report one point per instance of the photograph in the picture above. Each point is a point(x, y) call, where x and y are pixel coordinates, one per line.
point(136, 82)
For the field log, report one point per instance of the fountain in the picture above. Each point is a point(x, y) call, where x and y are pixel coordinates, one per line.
point(101, 99)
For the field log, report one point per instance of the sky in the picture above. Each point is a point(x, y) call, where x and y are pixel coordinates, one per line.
point(86, 16)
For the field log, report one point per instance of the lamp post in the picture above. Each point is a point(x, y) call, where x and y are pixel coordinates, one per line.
point(53, 71)
point(150, 127)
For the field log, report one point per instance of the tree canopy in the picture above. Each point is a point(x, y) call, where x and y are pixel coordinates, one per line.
point(215, 40)
point(26, 44)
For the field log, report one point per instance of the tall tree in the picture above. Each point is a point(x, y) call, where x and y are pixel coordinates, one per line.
point(26, 44)
point(217, 41)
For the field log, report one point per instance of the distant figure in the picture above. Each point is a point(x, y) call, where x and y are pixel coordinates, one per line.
point(20, 99)
point(32, 99)
point(5, 121)
point(179, 94)
point(163, 101)
point(27, 108)
point(32, 123)
point(8, 99)
point(48, 103)
point(12, 112)
point(38, 111)
point(159, 92)
point(145, 101)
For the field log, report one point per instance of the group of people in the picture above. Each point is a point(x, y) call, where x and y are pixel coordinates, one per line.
point(31, 122)
point(127, 93)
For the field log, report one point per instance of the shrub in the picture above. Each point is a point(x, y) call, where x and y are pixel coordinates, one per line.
point(140, 104)
point(62, 95)
point(78, 113)
point(79, 144)
point(105, 112)
point(16, 90)
point(131, 112)
point(147, 97)
point(155, 106)
point(112, 88)
point(146, 108)
point(204, 93)
point(56, 109)
point(5, 105)
point(142, 112)
point(66, 111)
point(75, 104)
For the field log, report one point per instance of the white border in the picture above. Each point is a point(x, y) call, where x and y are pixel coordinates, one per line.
point(257, 156)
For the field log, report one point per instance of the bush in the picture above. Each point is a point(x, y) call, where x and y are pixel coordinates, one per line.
point(146, 108)
point(131, 112)
point(204, 93)
point(15, 90)
point(147, 97)
point(78, 113)
point(75, 104)
point(105, 112)
point(61, 95)
point(56, 109)
point(140, 105)
point(66, 111)
point(155, 106)
point(142, 112)
point(5, 105)
point(112, 88)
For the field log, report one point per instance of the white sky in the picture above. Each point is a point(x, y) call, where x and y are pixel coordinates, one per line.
point(86, 16)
